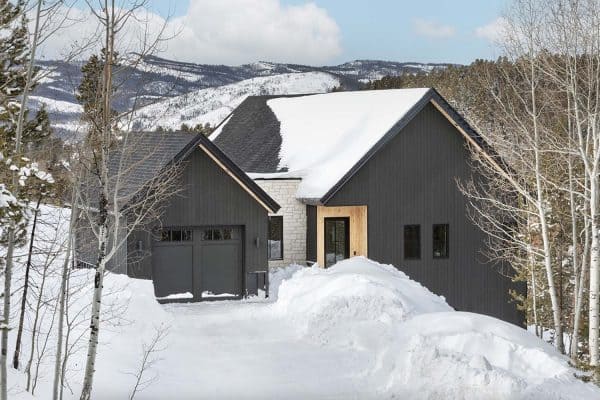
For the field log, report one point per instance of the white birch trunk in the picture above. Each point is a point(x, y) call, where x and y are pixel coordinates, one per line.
point(90, 365)
point(594, 307)
point(62, 300)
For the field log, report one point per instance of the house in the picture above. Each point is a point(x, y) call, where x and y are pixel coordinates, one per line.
point(370, 173)
point(210, 241)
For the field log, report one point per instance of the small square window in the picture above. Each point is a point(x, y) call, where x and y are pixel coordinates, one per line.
point(176, 235)
point(412, 242)
point(165, 235)
point(186, 235)
point(217, 234)
point(227, 234)
point(441, 243)
point(207, 235)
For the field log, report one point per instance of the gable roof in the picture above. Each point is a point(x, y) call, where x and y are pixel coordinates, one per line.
point(324, 138)
point(154, 151)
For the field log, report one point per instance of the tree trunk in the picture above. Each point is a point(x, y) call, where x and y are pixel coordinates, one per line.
point(6, 312)
point(62, 300)
point(594, 307)
point(11, 230)
point(86, 391)
point(25, 287)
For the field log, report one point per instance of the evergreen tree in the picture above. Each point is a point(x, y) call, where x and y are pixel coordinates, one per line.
point(14, 59)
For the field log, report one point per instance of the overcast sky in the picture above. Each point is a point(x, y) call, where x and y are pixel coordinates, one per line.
point(309, 32)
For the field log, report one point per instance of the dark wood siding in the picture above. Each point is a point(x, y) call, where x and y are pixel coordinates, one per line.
point(412, 180)
point(210, 196)
point(311, 233)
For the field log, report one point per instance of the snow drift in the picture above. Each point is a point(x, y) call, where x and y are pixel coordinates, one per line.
point(422, 348)
point(354, 295)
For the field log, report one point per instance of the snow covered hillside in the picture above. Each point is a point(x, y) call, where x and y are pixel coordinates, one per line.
point(157, 78)
point(358, 330)
point(212, 105)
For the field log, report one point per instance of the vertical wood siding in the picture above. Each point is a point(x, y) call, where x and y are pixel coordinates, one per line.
point(412, 180)
point(210, 196)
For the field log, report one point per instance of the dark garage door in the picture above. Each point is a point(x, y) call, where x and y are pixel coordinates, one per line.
point(172, 268)
point(219, 262)
point(206, 262)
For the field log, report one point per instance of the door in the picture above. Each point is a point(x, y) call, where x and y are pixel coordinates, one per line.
point(337, 240)
point(172, 262)
point(218, 267)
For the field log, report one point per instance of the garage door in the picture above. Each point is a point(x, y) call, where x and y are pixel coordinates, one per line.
point(219, 262)
point(172, 262)
point(205, 262)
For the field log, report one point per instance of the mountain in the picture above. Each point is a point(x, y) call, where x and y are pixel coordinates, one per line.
point(212, 105)
point(174, 84)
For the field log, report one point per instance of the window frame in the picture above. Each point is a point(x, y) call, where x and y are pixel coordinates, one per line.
point(446, 239)
point(269, 257)
point(185, 234)
point(419, 252)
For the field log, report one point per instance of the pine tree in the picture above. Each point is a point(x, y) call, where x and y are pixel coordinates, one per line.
point(17, 132)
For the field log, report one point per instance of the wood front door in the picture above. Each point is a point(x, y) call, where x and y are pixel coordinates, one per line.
point(337, 240)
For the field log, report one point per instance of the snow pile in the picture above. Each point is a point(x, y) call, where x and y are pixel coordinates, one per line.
point(279, 275)
point(354, 296)
point(422, 349)
point(212, 105)
point(345, 125)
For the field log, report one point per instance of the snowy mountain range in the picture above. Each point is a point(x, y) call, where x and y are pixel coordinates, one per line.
point(171, 93)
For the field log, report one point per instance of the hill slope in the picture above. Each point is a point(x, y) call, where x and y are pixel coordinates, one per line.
point(212, 105)
point(156, 79)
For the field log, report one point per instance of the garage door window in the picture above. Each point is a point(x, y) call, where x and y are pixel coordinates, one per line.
point(175, 235)
point(219, 234)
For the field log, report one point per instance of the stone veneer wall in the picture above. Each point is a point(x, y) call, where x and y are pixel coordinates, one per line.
point(283, 191)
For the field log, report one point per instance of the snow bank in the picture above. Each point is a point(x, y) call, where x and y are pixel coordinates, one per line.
point(472, 356)
point(345, 125)
point(278, 275)
point(422, 348)
point(354, 296)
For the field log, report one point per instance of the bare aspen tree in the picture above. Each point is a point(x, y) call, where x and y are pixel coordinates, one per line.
point(115, 208)
point(62, 300)
point(521, 140)
point(573, 29)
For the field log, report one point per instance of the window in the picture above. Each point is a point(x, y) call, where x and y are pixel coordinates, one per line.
point(275, 243)
point(440, 241)
point(412, 242)
point(175, 235)
point(219, 234)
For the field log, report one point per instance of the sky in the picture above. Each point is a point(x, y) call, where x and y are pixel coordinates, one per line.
point(317, 32)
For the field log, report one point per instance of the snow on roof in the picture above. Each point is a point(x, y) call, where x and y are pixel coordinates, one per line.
point(325, 135)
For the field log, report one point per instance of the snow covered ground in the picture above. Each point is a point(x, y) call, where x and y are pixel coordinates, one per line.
point(359, 330)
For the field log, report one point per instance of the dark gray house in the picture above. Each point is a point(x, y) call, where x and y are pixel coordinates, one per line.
point(370, 173)
point(210, 241)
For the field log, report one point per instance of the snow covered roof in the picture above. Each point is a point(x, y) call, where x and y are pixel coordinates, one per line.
point(318, 138)
point(324, 136)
